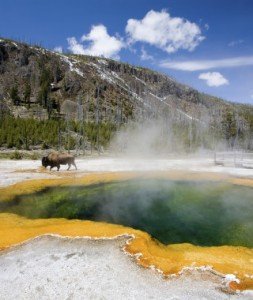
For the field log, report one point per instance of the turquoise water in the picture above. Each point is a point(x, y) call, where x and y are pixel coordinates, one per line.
point(201, 213)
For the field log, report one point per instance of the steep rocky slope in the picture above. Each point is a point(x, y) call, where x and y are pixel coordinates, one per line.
point(35, 82)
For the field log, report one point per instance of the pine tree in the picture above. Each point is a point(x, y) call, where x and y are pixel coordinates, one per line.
point(14, 95)
point(229, 127)
point(45, 80)
point(27, 94)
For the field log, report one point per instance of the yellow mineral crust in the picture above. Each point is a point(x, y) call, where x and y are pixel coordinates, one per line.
point(31, 186)
point(169, 259)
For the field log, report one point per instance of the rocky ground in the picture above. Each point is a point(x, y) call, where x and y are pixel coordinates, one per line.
point(51, 267)
point(12, 171)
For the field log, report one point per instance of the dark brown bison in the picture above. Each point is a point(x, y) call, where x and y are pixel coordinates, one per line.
point(57, 159)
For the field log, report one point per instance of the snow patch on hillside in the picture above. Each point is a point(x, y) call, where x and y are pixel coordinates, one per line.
point(71, 62)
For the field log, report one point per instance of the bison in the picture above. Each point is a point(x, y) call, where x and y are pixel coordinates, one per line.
point(57, 159)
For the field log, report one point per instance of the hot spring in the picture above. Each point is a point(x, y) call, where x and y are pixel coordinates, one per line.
point(201, 213)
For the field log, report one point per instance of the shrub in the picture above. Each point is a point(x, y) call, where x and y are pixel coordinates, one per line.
point(16, 155)
point(35, 156)
point(44, 146)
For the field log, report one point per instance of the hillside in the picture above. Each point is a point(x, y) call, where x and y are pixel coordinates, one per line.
point(41, 84)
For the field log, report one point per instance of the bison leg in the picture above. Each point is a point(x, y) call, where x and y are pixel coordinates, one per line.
point(58, 167)
point(69, 166)
point(73, 163)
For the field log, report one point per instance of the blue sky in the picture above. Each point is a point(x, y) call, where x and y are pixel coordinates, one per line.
point(207, 44)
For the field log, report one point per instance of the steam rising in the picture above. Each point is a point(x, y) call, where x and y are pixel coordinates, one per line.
point(160, 136)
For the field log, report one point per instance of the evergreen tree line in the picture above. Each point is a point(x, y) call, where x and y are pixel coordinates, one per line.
point(61, 134)
point(22, 133)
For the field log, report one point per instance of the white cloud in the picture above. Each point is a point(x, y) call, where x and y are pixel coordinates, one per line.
point(235, 43)
point(75, 47)
point(213, 78)
point(197, 65)
point(58, 49)
point(165, 32)
point(145, 55)
point(207, 26)
point(97, 43)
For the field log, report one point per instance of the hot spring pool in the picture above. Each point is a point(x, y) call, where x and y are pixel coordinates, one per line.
point(200, 213)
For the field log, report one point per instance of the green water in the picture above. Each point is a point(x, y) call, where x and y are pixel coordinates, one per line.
point(201, 213)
